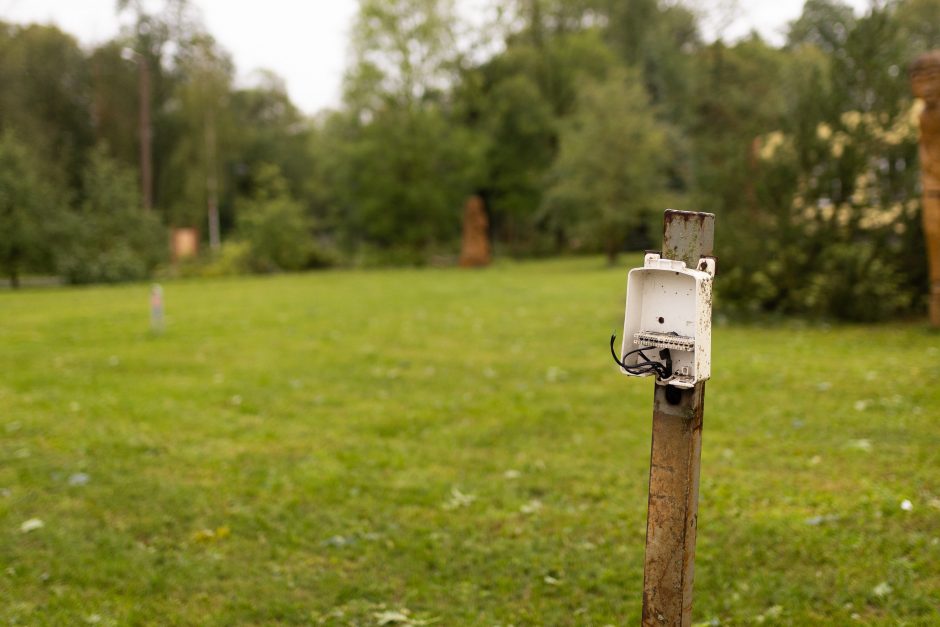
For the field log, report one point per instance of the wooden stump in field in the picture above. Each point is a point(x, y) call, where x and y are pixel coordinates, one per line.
point(925, 80)
point(475, 244)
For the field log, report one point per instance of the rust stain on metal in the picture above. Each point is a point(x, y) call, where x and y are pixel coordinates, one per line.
point(688, 235)
point(673, 500)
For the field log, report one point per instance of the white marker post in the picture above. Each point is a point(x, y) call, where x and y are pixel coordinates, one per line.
point(156, 309)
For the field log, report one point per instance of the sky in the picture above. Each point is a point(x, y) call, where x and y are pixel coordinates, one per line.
point(305, 41)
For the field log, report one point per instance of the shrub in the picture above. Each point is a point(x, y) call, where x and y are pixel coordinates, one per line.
point(273, 225)
point(110, 238)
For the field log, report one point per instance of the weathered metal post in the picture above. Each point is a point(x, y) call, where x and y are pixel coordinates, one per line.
point(675, 458)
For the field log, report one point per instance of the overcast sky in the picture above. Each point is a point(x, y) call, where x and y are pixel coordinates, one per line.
point(305, 41)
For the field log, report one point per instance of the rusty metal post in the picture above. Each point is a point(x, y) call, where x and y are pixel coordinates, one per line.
point(675, 459)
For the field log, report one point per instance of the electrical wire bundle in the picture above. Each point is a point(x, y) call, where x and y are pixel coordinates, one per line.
point(647, 365)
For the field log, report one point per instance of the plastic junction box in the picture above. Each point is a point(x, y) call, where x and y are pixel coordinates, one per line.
point(670, 306)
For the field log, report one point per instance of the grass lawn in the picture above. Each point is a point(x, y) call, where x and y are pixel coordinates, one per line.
point(449, 446)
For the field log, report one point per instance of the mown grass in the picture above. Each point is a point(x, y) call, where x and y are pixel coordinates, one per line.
point(455, 446)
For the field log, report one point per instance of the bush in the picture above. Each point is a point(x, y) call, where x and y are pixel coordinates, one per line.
point(855, 283)
point(273, 226)
point(234, 258)
point(110, 238)
point(116, 265)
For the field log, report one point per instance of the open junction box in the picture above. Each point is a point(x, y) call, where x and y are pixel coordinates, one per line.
point(669, 311)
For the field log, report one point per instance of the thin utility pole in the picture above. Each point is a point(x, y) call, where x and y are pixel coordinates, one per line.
point(212, 183)
point(144, 131)
point(675, 459)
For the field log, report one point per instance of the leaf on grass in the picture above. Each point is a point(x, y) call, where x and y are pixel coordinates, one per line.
point(79, 478)
point(211, 535)
point(458, 499)
point(31, 525)
point(772, 612)
point(392, 618)
point(531, 507)
point(883, 589)
point(863, 444)
point(338, 541)
point(401, 617)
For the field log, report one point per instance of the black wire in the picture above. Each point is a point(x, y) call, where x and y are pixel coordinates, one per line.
point(646, 367)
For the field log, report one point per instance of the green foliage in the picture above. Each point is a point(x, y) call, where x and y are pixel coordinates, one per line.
point(29, 210)
point(410, 172)
point(234, 258)
point(401, 166)
point(853, 282)
point(920, 22)
point(270, 459)
point(195, 172)
point(834, 223)
point(110, 237)
point(271, 130)
point(825, 24)
point(45, 95)
point(805, 149)
point(517, 101)
point(608, 175)
point(403, 51)
point(273, 225)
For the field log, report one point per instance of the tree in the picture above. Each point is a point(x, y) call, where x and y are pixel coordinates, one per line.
point(112, 238)
point(742, 92)
point(834, 190)
point(202, 96)
point(45, 95)
point(273, 224)
point(608, 174)
point(114, 105)
point(825, 24)
point(516, 101)
point(271, 131)
point(404, 177)
point(28, 208)
point(404, 51)
point(147, 39)
point(920, 22)
point(406, 167)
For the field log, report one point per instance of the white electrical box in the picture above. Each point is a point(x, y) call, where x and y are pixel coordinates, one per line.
point(669, 306)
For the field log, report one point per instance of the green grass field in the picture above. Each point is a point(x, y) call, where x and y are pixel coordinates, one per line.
point(445, 446)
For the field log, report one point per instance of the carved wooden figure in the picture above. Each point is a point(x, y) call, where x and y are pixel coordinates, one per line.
point(925, 80)
point(475, 245)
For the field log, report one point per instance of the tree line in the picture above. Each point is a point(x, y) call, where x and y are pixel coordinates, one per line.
point(576, 121)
